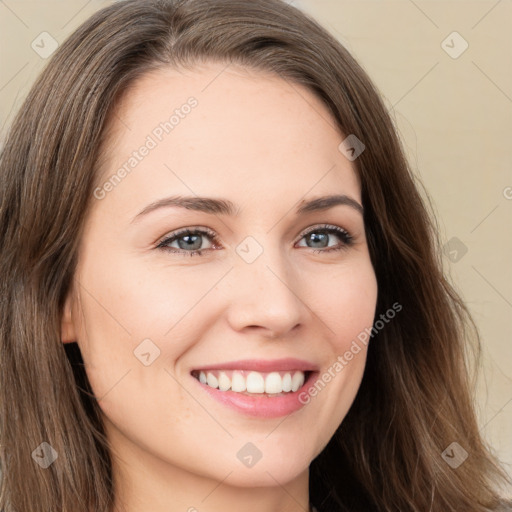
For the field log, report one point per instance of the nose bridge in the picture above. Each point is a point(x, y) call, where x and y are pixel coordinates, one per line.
point(265, 292)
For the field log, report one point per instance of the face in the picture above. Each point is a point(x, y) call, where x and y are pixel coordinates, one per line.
point(284, 287)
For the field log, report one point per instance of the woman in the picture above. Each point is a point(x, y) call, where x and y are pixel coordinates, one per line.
point(311, 355)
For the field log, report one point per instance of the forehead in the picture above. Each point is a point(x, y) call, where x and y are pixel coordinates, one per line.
point(216, 127)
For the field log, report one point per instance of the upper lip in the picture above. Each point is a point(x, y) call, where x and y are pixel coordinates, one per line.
point(263, 365)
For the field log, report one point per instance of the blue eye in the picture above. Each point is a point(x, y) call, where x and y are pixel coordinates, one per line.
point(189, 240)
point(321, 234)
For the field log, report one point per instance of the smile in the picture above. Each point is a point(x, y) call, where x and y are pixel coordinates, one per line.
point(252, 382)
point(253, 399)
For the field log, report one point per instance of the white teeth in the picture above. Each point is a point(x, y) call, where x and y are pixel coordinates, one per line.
point(273, 383)
point(224, 382)
point(287, 382)
point(297, 380)
point(212, 381)
point(253, 382)
point(238, 382)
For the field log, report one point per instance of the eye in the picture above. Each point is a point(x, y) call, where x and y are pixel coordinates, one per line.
point(190, 240)
point(319, 236)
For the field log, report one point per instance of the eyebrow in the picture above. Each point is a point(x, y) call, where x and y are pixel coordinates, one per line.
point(225, 207)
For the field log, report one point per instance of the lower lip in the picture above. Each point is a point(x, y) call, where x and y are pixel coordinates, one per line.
point(263, 406)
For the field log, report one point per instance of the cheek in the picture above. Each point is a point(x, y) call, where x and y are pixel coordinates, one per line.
point(154, 298)
point(347, 310)
point(345, 301)
point(127, 302)
point(131, 315)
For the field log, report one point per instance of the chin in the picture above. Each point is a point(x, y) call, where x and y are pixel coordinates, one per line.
point(261, 475)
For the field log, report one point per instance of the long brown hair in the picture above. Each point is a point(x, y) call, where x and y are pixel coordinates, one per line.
point(417, 395)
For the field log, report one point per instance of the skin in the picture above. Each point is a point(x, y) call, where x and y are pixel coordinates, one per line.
point(265, 145)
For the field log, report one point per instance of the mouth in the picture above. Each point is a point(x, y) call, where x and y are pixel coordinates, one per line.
point(263, 389)
point(254, 383)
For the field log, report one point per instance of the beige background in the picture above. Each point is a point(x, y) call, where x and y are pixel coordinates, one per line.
point(454, 115)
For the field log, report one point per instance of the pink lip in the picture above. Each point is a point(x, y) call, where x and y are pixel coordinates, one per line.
point(263, 365)
point(263, 406)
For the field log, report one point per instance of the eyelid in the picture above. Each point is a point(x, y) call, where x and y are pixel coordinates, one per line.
point(187, 230)
point(320, 227)
point(214, 236)
point(347, 239)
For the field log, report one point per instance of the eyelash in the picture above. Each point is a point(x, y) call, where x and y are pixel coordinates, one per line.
point(345, 236)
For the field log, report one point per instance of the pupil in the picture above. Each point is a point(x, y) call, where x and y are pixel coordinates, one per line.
point(190, 244)
point(316, 237)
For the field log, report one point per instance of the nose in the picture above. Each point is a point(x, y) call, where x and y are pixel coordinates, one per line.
point(265, 297)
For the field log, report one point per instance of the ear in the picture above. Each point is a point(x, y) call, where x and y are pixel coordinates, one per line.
point(67, 327)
